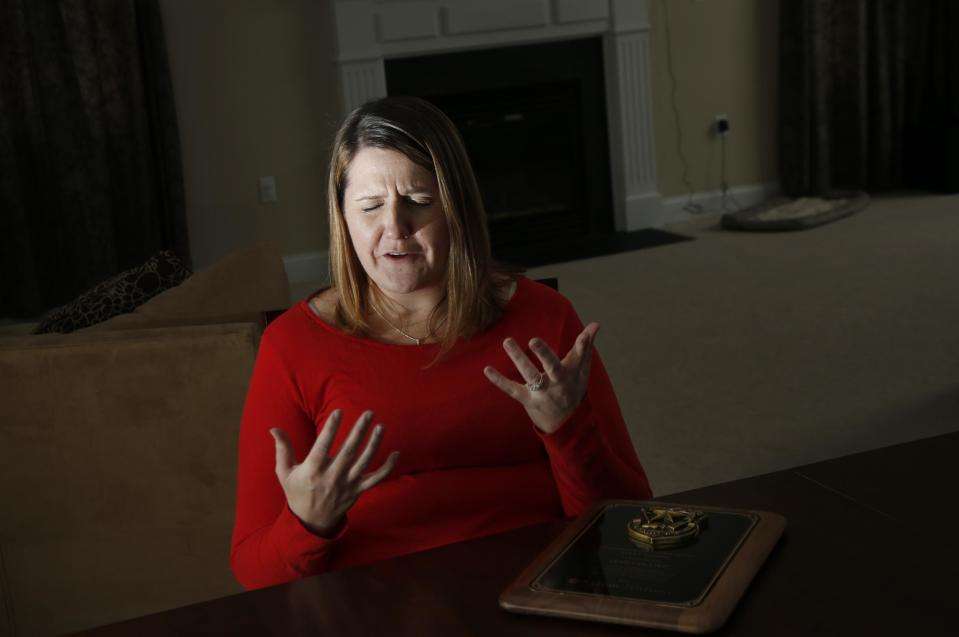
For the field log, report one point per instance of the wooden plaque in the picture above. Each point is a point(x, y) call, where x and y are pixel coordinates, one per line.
point(597, 570)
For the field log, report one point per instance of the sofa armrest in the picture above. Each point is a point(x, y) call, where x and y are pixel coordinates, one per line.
point(117, 470)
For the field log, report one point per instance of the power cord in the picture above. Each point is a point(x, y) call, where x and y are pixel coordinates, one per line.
point(690, 207)
point(724, 186)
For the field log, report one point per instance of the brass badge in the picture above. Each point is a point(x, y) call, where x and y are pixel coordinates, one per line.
point(659, 528)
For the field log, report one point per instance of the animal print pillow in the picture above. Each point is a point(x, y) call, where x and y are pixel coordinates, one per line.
point(119, 294)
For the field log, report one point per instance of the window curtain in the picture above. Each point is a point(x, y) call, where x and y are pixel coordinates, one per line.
point(90, 175)
point(867, 94)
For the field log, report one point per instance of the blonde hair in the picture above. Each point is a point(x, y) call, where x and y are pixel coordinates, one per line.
point(421, 132)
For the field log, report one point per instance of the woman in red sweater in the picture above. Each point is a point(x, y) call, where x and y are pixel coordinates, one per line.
point(496, 410)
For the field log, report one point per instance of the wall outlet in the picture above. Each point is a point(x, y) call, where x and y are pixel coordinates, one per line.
point(266, 189)
point(721, 124)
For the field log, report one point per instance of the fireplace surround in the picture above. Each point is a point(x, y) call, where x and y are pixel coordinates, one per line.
point(372, 33)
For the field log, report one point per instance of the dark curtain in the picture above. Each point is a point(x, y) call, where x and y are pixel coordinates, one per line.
point(868, 94)
point(90, 175)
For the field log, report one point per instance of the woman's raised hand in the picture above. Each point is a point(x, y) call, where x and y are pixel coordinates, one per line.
point(321, 490)
point(561, 385)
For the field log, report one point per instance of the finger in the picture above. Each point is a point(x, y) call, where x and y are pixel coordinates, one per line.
point(364, 460)
point(526, 368)
point(321, 446)
point(586, 362)
point(551, 363)
point(509, 387)
point(347, 452)
point(284, 453)
point(576, 355)
point(593, 329)
point(373, 479)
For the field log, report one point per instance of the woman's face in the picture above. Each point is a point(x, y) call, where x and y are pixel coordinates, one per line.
point(396, 221)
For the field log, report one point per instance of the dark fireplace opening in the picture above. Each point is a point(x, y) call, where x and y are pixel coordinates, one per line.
point(525, 148)
point(533, 119)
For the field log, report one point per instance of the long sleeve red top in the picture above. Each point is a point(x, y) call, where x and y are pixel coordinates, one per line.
point(471, 461)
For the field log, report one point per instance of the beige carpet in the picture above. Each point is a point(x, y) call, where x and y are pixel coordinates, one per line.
point(742, 353)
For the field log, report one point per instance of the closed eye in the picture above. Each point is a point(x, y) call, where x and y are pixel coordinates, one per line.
point(422, 203)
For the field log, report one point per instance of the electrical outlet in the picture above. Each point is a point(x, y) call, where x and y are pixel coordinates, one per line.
point(266, 189)
point(721, 124)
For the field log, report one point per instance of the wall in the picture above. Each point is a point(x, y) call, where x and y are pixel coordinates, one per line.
point(725, 60)
point(257, 94)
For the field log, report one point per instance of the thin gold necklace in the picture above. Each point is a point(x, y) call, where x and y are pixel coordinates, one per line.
point(418, 341)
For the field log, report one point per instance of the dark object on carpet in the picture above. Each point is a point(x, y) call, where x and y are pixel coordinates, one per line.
point(119, 294)
point(785, 213)
point(586, 247)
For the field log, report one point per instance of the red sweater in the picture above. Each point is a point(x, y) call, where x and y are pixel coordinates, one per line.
point(471, 461)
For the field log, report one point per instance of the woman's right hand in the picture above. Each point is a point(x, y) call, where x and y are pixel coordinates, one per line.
point(321, 490)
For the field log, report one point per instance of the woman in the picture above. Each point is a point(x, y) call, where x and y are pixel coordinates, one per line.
point(417, 315)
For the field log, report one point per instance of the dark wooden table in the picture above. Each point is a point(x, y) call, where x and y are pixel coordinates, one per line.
point(871, 549)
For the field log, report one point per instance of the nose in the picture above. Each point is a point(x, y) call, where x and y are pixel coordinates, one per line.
point(397, 220)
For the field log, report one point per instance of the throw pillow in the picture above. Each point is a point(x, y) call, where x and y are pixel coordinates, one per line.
point(238, 287)
point(119, 294)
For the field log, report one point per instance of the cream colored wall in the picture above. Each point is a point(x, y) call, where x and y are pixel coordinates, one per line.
point(725, 59)
point(256, 94)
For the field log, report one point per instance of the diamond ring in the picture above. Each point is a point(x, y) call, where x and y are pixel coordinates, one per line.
point(535, 385)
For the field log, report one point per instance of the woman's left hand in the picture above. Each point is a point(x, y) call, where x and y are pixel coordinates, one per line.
point(562, 383)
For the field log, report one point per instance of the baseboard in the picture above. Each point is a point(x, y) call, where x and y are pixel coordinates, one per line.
point(644, 211)
point(710, 203)
point(307, 267)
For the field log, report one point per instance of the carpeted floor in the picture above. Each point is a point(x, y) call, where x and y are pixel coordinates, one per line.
point(742, 353)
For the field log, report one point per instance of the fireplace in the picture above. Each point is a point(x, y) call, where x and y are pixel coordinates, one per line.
point(535, 132)
point(563, 84)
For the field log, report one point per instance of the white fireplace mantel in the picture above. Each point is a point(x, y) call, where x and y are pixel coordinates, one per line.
point(369, 32)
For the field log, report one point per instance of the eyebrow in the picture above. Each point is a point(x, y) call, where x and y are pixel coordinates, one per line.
point(417, 190)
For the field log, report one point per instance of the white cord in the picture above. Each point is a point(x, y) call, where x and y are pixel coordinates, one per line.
point(693, 208)
point(724, 186)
